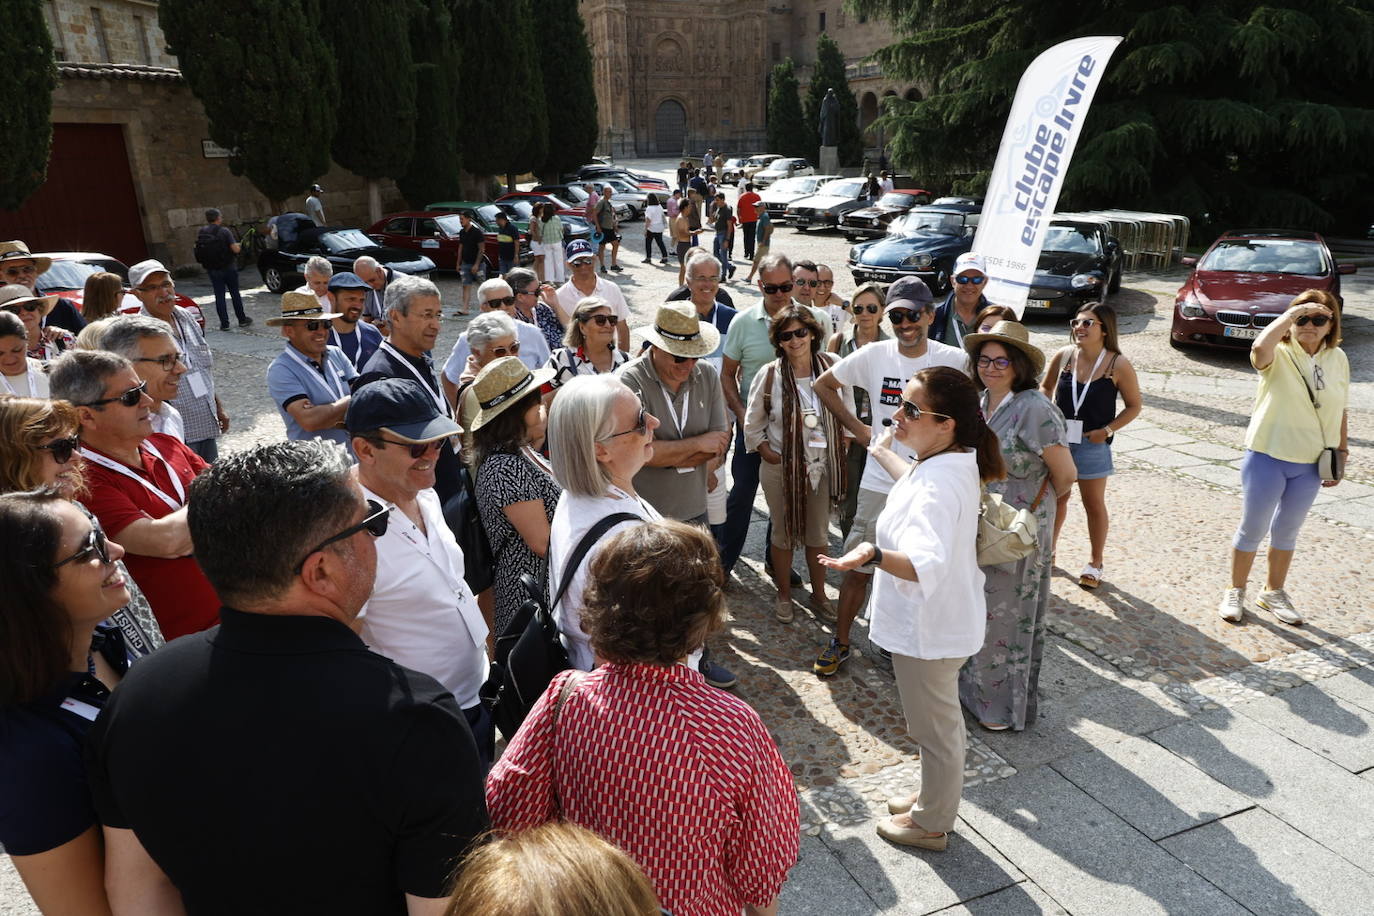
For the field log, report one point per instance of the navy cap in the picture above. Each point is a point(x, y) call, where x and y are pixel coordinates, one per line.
point(402, 407)
point(909, 292)
point(580, 248)
point(347, 280)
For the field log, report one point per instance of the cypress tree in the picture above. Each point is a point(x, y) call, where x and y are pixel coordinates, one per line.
point(25, 102)
point(496, 87)
point(829, 74)
point(530, 145)
point(267, 82)
point(375, 136)
point(787, 130)
point(569, 89)
point(432, 174)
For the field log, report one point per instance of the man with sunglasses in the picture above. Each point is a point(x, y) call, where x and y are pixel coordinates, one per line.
point(955, 316)
point(882, 368)
point(583, 282)
point(421, 614)
point(148, 344)
point(137, 483)
point(310, 381)
point(277, 739)
point(496, 295)
point(19, 265)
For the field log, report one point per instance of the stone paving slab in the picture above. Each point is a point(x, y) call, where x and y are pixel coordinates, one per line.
point(1149, 788)
point(818, 883)
point(1223, 475)
point(1124, 442)
point(1346, 491)
point(1272, 869)
point(1341, 732)
point(1209, 450)
point(1017, 900)
point(1158, 436)
point(1085, 857)
point(1358, 512)
point(1356, 686)
point(899, 879)
point(1314, 795)
point(1167, 457)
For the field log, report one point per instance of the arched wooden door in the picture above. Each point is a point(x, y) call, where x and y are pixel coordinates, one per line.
point(670, 128)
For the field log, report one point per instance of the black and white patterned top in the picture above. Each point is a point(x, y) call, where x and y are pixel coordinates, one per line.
point(503, 480)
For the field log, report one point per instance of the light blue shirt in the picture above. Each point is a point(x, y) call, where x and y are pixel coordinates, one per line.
point(293, 376)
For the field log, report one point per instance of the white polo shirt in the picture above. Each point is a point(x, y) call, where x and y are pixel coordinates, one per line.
point(569, 296)
point(422, 614)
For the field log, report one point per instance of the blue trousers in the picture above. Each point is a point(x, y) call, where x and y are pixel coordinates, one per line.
point(739, 505)
point(226, 279)
point(1276, 496)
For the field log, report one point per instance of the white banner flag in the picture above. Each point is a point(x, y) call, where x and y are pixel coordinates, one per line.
point(1046, 118)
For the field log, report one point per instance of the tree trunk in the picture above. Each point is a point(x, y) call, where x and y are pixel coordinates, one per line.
point(374, 200)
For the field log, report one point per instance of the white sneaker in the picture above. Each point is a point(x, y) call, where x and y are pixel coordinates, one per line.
point(1232, 607)
point(1276, 602)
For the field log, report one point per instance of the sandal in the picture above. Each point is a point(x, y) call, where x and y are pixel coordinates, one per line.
point(1090, 577)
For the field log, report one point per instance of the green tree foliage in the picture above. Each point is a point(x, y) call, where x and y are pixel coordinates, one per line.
point(500, 93)
point(270, 93)
point(565, 60)
point(1232, 112)
point(788, 134)
point(371, 45)
point(829, 74)
point(433, 172)
point(25, 101)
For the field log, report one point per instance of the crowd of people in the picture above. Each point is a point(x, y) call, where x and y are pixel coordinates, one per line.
point(308, 627)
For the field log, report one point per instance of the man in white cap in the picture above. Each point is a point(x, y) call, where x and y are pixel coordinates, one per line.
point(18, 265)
point(954, 317)
point(310, 381)
point(199, 406)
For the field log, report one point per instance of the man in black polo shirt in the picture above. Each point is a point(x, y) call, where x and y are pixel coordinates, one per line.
point(274, 764)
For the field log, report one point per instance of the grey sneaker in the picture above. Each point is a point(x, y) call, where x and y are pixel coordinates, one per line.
point(1232, 607)
point(1276, 602)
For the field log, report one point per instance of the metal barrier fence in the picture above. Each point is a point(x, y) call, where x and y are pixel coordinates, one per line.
point(1149, 241)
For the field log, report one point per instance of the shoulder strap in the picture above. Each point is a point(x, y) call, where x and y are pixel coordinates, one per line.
point(1312, 395)
point(768, 390)
point(583, 546)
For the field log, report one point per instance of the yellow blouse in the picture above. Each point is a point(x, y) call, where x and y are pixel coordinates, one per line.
point(1283, 424)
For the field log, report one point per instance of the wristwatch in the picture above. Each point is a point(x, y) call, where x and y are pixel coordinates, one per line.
point(874, 561)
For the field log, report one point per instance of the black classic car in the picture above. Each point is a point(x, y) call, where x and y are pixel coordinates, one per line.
point(1079, 264)
point(872, 222)
point(922, 243)
point(283, 268)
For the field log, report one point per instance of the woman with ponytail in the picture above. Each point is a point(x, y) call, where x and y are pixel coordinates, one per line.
point(927, 607)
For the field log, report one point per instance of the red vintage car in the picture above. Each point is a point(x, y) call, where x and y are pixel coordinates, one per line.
point(1246, 280)
point(434, 233)
point(533, 197)
point(70, 269)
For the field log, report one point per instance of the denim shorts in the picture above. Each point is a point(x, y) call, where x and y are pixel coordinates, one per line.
point(1093, 460)
point(468, 274)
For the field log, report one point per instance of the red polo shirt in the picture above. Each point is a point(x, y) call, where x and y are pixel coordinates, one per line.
point(747, 207)
point(181, 597)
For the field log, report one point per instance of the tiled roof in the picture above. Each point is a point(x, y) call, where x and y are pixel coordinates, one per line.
point(101, 71)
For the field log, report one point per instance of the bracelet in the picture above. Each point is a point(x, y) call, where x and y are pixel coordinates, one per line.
point(874, 561)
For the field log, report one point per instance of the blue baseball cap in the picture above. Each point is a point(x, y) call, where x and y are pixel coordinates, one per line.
point(580, 248)
point(401, 407)
point(347, 280)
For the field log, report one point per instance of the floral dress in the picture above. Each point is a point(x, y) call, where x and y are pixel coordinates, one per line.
point(999, 684)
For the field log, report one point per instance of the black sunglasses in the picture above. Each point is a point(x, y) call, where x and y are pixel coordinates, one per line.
point(95, 545)
point(129, 398)
point(26, 306)
point(772, 289)
point(795, 333)
point(168, 361)
point(374, 523)
point(312, 324)
point(976, 281)
point(417, 449)
point(685, 359)
point(872, 308)
point(1317, 321)
point(502, 300)
point(601, 320)
point(915, 413)
point(640, 427)
point(901, 316)
point(62, 449)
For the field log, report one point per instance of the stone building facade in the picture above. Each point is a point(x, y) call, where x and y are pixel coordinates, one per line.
point(675, 77)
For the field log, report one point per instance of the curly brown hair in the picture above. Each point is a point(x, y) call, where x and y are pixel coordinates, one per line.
point(655, 594)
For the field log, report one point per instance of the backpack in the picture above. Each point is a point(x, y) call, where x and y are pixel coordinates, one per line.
point(529, 652)
point(212, 251)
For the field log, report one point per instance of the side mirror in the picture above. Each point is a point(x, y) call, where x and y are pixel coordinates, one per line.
point(1346, 268)
point(1188, 262)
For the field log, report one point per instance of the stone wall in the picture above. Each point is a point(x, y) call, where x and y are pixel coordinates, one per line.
point(108, 31)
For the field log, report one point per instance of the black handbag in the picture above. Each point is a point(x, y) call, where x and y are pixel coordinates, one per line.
point(460, 512)
point(529, 652)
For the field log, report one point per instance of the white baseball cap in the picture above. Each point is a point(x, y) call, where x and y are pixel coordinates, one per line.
point(970, 260)
point(145, 269)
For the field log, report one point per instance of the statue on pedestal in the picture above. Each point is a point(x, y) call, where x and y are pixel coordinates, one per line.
point(829, 119)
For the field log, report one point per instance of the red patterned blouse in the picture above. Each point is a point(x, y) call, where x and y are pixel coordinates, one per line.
point(682, 776)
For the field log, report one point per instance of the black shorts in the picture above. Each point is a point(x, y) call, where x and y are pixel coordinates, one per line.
point(608, 236)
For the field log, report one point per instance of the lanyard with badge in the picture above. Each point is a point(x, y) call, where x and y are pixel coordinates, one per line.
point(327, 376)
point(336, 339)
point(1073, 424)
point(172, 503)
point(811, 419)
point(410, 367)
point(680, 424)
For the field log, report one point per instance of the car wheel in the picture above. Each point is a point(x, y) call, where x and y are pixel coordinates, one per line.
point(272, 279)
point(1115, 285)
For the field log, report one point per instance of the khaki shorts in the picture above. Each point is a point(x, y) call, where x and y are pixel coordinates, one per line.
point(865, 527)
point(817, 533)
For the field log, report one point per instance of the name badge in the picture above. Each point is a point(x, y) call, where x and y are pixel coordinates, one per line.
point(816, 437)
point(1075, 430)
point(83, 709)
point(685, 470)
point(199, 386)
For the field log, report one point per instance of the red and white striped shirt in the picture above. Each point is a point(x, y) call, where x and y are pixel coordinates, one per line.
point(681, 776)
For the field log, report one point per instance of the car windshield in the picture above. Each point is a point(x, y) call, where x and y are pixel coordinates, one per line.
point(848, 187)
point(930, 222)
point(487, 214)
point(574, 193)
point(73, 274)
point(893, 199)
point(800, 185)
point(451, 225)
point(1072, 238)
point(346, 240)
point(1267, 256)
point(521, 208)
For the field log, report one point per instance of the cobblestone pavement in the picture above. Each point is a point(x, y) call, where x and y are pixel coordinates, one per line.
point(1144, 655)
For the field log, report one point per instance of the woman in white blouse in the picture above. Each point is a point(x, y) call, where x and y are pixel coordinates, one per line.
point(20, 374)
point(927, 606)
point(803, 452)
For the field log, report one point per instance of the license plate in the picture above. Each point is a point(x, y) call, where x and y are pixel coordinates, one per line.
point(1241, 333)
point(1037, 303)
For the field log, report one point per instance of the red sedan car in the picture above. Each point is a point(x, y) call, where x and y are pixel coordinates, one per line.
point(67, 278)
point(533, 197)
point(434, 233)
point(1246, 280)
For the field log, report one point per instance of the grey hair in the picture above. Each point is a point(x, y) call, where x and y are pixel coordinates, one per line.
point(492, 284)
point(11, 325)
point(698, 254)
point(254, 514)
point(79, 376)
point(121, 335)
point(773, 260)
point(404, 290)
point(367, 261)
point(319, 267)
point(573, 336)
point(579, 418)
point(520, 277)
point(487, 327)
